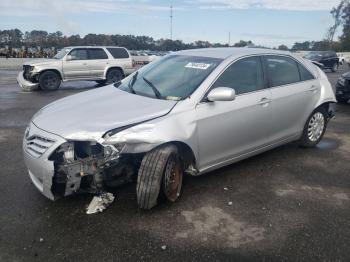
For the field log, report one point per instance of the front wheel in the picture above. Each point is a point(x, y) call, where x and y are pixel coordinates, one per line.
point(49, 81)
point(314, 128)
point(160, 174)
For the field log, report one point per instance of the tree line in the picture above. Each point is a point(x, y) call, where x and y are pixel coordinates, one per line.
point(14, 38)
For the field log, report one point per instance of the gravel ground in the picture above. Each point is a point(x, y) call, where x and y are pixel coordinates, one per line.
point(288, 204)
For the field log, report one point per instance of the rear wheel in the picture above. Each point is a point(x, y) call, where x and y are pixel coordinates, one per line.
point(160, 174)
point(114, 75)
point(314, 128)
point(49, 81)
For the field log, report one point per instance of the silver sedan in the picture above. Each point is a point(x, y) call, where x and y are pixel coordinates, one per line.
point(188, 113)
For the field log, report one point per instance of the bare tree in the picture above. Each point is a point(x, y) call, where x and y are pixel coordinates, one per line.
point(337, 13)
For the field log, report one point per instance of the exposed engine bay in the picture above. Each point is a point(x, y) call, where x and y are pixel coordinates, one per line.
point(85, 166)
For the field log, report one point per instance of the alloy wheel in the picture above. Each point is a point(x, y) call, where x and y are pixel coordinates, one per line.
point(316, 126)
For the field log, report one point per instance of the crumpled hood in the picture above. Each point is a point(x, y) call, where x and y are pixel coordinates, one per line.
point(90, 114)
point(38, 62)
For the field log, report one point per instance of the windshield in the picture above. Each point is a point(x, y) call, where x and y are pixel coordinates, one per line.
point(61, 53)
point(173, 77)
point(313, 55)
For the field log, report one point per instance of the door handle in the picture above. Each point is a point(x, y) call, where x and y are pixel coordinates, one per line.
point(264, 101)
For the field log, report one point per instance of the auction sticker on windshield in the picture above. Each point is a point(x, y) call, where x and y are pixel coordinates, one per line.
point(202, 66)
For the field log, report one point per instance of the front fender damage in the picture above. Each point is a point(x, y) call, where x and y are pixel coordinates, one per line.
point(137, 139)
point(87, 164)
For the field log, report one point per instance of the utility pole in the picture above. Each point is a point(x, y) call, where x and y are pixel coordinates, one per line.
point(171, 22)
point(229, 39)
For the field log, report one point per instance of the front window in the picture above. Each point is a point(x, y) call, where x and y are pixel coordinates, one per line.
point(79, 54)
point(244, 76)
point(173, 77)
point(62, 53)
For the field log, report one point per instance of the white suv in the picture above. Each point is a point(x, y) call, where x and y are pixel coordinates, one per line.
point(95, 63)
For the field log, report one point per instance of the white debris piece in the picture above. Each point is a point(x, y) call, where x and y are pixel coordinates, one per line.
point(225, 188)
point(41, 239)
point(100, 203)
point(163, 247)
point(230, 203)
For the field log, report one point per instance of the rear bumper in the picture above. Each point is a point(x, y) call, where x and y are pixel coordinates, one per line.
point(25, 84)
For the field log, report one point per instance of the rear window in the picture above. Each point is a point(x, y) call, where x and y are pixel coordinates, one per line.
point(118, 52)
point(97, 53)
point(282, 70)
point(305, 74)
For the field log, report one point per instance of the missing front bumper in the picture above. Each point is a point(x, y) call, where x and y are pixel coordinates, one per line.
point(25, 84)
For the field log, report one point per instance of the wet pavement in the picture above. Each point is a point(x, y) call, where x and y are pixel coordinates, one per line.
point(288, 204)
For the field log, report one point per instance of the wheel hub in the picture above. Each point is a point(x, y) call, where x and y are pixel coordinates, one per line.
point(172, 179)
point(316, 126)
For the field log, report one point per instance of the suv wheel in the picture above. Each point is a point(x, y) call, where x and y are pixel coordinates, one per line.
point(160, 173)
point(113, 76)
point(49, 81)
point(334, 68)
point(314, 128)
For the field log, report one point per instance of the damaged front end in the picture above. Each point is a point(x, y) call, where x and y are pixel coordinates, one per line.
point(89, 167)
point(58, 167)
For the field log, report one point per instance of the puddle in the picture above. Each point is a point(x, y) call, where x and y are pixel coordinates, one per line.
point(328, 144)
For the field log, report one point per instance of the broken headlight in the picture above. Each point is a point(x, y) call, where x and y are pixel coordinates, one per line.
point(111, 152)
point(68, 152)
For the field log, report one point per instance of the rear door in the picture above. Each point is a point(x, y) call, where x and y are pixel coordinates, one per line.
point(228, 129)
point(295, 91)
point(77, 66)
point(97, 62)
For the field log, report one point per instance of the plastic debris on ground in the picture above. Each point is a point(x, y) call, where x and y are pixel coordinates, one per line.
point(100, 203)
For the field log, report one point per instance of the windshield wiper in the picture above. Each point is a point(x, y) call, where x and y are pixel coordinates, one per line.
point(155, 90)
point(132, 82)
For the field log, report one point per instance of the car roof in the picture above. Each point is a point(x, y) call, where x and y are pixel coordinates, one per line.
point(225, 52)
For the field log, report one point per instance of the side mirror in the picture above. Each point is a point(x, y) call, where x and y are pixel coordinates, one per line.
point(222, 94)
point(68, 57)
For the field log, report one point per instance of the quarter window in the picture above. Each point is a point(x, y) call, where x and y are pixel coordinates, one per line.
point(97, 53)
point(282, 70)
point(79, 54)
point(118, 52)
point(243, 76)
point(304, 73)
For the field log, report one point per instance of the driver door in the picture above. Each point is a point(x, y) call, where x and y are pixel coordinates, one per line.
point(77, 66)
point(229, 129)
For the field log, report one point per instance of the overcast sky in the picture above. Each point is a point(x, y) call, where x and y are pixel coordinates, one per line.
point(265, 22)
